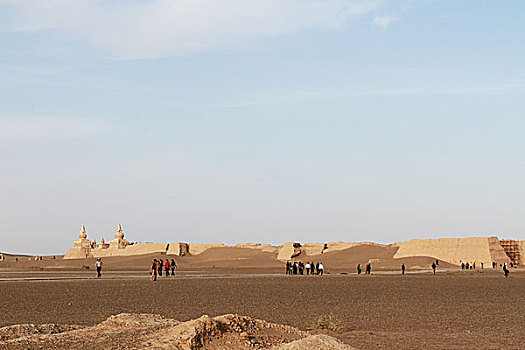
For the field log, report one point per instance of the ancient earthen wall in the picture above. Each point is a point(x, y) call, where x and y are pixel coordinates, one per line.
point(263, 247)
point(177, 248)
point(497, 252)
point(77, 253)
point(130, 250)
point(452, 250)
point(313, 248)
point(134, 249)
point(198, 248)
point(334, 246)
point(286, 251)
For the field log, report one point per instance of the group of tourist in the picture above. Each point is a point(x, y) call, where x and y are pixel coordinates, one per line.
point(156, 268)
point(298, 268)
point(158, 265)
point(467, 266)
point(368, 269)
point(471, 266)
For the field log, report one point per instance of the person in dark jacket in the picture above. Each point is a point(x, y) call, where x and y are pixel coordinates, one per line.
point(159, 267)
point(154, 270)
point(173, 266)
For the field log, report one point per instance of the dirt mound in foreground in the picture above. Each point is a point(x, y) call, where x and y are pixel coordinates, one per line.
point(144, 331)
point(27, 330)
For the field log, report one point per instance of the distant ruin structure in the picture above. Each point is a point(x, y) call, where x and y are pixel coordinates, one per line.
point(119, 246)
point(486, 250)
point(184, 249)
point(513, 249)
point(455, 250)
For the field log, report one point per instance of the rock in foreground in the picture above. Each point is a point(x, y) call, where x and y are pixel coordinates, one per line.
point(143, 331)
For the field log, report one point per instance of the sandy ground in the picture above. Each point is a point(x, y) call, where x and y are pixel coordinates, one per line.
point(458, 310)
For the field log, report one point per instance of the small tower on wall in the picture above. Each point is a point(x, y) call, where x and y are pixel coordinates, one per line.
point(82, 241)
point(119, 242)
point(103, 244)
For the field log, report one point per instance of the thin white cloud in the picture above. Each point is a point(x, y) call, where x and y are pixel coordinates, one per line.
point(156, 28)
point(481, 89)
point(385, 21)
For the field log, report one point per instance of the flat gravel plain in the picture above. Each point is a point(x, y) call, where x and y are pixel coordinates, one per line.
point(461, 310)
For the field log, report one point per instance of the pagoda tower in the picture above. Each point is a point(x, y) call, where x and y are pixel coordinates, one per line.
point(119, 242)
point(82, 241)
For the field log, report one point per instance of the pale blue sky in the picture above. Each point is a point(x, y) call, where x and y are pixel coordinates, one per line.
point(260, 121)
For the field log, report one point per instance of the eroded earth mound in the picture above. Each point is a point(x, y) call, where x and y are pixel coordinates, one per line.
point(145, 331)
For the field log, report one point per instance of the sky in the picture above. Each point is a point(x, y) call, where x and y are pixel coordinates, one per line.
point(226, 121)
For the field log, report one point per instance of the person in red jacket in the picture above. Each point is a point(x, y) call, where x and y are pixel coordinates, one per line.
point(167, 267)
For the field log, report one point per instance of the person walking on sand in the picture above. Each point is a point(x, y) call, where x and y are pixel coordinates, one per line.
point(506, 270)
point(358, 269)
point(167, 267)
point(368, 269)
point(307, 268)
point(154, 270)
point(321, 269)
point(98, 265)
point(403, 269)
point(434, 267)
point(173, 266)
point(159, 267)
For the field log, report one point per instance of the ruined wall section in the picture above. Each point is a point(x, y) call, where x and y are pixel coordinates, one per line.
point(513, 250)
point(107, 251)
point(497, 252)
point(130, 250)
point(179, 249)
point(263, 247)
point(199, 248)
point(452, 250)
point(289, 250)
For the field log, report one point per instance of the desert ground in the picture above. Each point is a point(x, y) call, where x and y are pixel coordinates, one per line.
point(453, 310)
